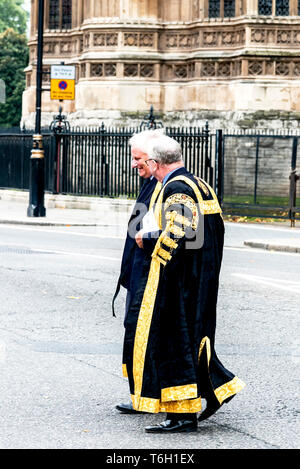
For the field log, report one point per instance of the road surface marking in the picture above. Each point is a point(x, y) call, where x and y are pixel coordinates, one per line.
point(75, 233)
point(65, 253)
point(287, 285)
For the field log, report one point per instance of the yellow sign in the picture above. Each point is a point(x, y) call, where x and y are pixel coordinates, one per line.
point(62, 82)
point(62, 89)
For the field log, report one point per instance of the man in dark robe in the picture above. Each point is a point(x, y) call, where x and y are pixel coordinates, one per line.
point(169, 356)
point(132, 257)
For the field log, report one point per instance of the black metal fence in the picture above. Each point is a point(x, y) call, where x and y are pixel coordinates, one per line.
point(252, 174)
point(15, 152)
point(96, 162)
point(259, 175)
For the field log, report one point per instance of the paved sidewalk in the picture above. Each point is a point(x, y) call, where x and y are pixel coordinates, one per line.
point(16, 213)
point(65, 210)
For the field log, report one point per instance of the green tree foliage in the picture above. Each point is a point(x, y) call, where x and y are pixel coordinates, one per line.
point(13, 16)
point(13, 60)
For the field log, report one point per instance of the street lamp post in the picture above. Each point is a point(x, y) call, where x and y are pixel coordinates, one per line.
point(37, 164)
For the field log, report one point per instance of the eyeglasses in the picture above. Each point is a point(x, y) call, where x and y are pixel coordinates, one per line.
point(150, 159)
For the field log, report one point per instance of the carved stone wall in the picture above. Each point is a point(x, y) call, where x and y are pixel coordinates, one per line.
point(130, 54)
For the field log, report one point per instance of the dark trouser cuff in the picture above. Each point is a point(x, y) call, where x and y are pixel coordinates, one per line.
point(176, 416)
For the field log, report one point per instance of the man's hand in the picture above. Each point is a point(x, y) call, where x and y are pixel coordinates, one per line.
point(139, 239)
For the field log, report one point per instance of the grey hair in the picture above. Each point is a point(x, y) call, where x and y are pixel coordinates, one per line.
point(141, 140)
point(165, 150)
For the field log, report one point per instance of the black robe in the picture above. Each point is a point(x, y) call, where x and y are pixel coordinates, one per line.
point(132, 256)
point(168, 354)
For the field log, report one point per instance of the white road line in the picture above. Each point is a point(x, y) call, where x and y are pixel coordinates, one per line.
point(75, 233)
point(64, 253)
point(287, 285)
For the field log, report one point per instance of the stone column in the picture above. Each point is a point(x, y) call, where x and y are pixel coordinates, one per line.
point(79, 12)
point(251, 7)
point(92, 8)
point(196, 10)
point(87, 9)
point(240, 8)
point(173, 10)
point(153, 7)
point(140, 8)
point(46, 14)
point(33, 18)
point(74, 14)
point(293, 7)
point(204, 8)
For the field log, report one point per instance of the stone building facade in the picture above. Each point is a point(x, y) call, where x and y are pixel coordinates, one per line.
point(233, 62)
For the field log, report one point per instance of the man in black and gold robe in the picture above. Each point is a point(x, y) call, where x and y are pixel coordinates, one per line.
point(132, 256)
point(169, 351)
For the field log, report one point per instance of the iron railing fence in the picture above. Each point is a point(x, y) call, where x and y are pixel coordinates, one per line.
point(257, 169)
point(253, 173)
point(96, 161)
point(15, 152)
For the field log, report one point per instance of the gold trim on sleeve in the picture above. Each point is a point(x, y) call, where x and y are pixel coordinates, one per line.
point(229, 389)
point(179, 393)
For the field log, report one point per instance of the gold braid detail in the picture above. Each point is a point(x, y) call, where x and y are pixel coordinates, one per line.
point(187, 201)
point(207, 207)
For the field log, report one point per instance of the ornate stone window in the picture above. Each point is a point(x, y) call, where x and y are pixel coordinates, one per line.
point(103, 70)
point(265, 7)
point(214, 9)
point(282, 8)
point(221, 8)
point(60, 14)
point(273, 7)
point(229, 8)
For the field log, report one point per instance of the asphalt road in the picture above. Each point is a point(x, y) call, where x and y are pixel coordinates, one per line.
point(60, 347)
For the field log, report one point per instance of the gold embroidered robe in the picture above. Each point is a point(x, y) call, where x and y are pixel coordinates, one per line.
point(169, 354)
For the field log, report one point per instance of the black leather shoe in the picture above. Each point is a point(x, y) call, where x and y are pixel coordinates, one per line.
point(173, 426)
point(128, 409)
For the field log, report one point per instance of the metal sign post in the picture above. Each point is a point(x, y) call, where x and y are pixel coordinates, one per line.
point(62, 87)
point(62, 82)
point(37, 164)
